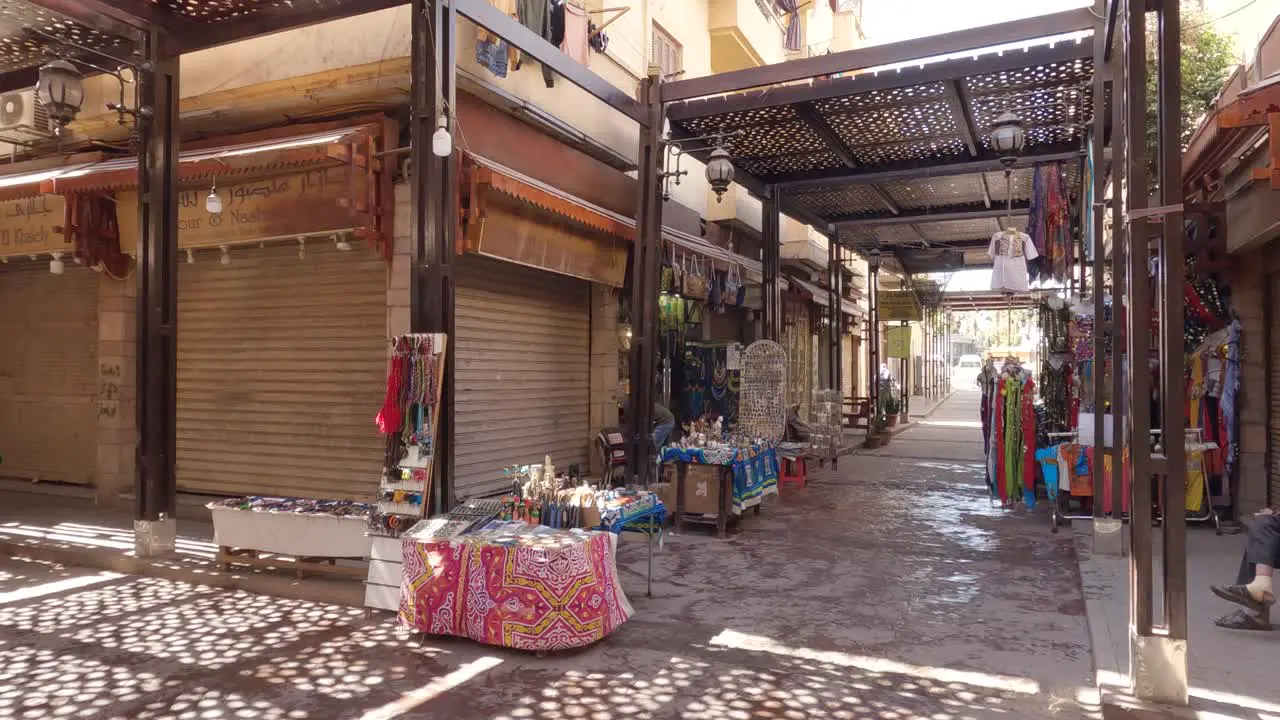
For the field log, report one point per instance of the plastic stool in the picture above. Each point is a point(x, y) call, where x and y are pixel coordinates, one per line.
point(795, 471)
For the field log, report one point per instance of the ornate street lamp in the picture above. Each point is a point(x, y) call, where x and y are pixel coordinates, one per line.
point(719, 172)
point(873, 260)
point(1008, 137)
point(60, 88)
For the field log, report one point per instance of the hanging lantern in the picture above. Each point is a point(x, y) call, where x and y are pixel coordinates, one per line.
point(719, 172)
point(873, 260)
point(60, 89)
point(1008, 137)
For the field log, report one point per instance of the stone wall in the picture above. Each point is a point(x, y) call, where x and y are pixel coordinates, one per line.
point(1249, 299)
point(117, 391)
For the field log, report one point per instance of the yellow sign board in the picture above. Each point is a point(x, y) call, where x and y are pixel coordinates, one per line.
point(307, 203)
point(898, 305)
point(897, 341)
point(27, 226)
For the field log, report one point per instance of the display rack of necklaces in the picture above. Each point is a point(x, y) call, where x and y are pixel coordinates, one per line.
point(708, 385)
point(409, 418)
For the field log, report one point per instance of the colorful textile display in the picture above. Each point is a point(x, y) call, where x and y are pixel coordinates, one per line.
point(1048, 223)
point(619, 508)
point(514, 585)
point(1012, 445)
point(755, 470)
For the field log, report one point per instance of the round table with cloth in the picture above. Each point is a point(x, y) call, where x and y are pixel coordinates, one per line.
point(551, 590)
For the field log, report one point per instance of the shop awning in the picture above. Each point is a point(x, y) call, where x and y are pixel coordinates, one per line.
point(815, 293)
point(223, 163)
point(537, 245)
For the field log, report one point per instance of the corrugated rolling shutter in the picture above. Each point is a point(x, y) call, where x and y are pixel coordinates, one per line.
point(281, 371)
point(523, 355)
point(1273, 396)
point(48, 373)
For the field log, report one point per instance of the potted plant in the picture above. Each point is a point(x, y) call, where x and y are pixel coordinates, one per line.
point(879, 435)
point(892, 408)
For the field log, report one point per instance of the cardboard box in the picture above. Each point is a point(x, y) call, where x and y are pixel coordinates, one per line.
point(702, 489)
point(666, 492)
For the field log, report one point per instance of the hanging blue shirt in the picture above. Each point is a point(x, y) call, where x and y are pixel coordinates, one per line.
point(1048, 459)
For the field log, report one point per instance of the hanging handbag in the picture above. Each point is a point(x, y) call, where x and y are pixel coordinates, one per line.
point(735, 292)
point(677, 273)
point(693, 312)
point(715, 298)
point(695, 281)
point(667, 276)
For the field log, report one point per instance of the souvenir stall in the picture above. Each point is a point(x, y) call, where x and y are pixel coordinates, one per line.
point(308, 536)
point(718, 473)
point(700, 378)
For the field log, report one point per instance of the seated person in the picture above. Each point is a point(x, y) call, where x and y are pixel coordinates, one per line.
point(1253, 587)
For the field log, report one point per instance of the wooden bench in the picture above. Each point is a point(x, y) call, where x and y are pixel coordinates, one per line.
point(857, 412)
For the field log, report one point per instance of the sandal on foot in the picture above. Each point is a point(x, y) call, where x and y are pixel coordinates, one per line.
point(1239, 594)
point(1242, 620)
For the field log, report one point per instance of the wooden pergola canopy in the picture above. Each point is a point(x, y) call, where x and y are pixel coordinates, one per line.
point(893, 149)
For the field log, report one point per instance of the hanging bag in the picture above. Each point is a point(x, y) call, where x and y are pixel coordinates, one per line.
point(695, 281)
point(715, 298)
point(667, 277)
point(735, 292)
point(677, 272)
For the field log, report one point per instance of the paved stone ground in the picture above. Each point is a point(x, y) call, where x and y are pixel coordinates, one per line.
point(890, 588)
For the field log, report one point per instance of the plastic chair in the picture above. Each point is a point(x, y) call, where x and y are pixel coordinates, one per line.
point(795, 471)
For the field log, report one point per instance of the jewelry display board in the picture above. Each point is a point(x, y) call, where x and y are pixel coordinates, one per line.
point(409, 419)
point(762, 412)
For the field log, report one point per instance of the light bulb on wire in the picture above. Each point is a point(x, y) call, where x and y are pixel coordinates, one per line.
point(213, 203)
point(191, 257)
point(226, 255)
point(341, 243)
point(56, 266)
point(441, 140)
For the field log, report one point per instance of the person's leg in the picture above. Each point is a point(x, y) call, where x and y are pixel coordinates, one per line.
point(1253, 588)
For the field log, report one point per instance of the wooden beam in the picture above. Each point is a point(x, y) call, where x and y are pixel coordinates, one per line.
point(121, 18)
point(273, 18)
point(499, 23)
point(884, 197)
point(888, 54)
point(962, 110)
point(919, 170)
point(986, 190)
point(1019, 208)
point(943, 71)
point(826, 134)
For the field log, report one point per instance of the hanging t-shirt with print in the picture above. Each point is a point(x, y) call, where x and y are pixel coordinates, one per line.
point(1010, 252)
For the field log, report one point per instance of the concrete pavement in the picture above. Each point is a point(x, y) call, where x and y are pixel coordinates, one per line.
point(890, 588)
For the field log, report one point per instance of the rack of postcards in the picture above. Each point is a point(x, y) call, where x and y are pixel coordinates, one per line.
point(409, 420)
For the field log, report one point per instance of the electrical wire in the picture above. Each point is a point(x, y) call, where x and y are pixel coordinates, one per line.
point(1220, 17)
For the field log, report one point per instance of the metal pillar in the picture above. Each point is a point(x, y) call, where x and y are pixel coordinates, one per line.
point(1119, 268)
point(907, 369)
point(1171, 278)
point(645, 268)
point(155, 525)
point(834, 332)
point(1108, 535)
point(772, 235)
point(873, 340)
point(433, 83)
point(1158, 655)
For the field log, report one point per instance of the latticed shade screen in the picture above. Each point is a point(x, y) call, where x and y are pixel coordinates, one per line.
point(763, 411)
point(667, 53)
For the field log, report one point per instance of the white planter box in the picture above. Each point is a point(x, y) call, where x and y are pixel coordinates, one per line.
point(285, 533)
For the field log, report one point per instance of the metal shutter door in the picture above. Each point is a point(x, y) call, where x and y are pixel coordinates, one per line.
point(1273, 395)
point(48, 372)
point(523, 379)
point(281, 371)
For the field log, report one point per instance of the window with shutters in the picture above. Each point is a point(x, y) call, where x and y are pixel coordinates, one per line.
point(667, 53)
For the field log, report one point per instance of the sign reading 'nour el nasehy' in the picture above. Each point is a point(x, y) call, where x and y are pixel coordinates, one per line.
point(303, 203)
point(27, 226)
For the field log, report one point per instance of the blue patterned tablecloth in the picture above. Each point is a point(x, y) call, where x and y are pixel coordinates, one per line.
point(755, 470)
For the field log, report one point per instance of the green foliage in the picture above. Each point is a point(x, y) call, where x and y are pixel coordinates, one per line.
point(1207, 60)
point(892, 405)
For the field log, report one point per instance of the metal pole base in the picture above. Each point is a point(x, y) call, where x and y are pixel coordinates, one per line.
point(1159, 669)
point(155, 538)
point(1109, 537)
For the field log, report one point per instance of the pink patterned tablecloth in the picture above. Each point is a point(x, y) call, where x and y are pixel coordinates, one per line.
point(550, 592)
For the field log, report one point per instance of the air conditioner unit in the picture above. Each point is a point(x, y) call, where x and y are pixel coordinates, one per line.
point(23, 120)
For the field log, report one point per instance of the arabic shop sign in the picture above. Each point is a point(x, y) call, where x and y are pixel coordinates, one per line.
point(307, 203)
point(27, 226)
point(898, 305)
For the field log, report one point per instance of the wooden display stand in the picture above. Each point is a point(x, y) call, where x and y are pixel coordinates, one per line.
point(302, 565)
